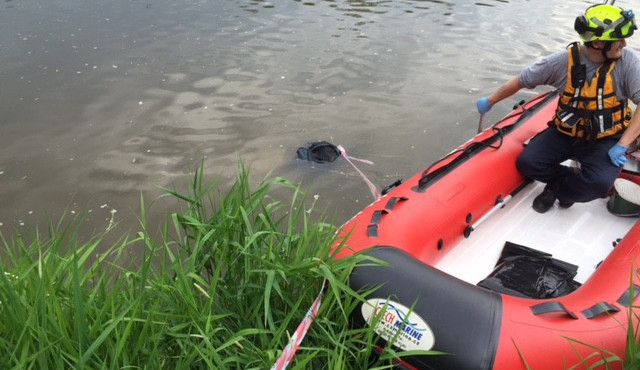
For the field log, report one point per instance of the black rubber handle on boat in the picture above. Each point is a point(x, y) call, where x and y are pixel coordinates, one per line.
point(549, 307)
point(372, 230)
point(388, 188)
point(393, 201)
point(599, 309)
point(377, 216)
point(629, 296)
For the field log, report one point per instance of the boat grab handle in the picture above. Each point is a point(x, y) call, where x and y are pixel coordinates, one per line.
point(549, 307)
point(626, 298)
point(392, 202)
point(372, 231)
point(599, 309)
point(377, 215)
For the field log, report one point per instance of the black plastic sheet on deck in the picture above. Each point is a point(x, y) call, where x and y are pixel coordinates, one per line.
point(529, 273)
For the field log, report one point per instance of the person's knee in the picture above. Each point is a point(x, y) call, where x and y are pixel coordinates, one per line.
point(525, 165)
point(521, 164)
point(599, 185)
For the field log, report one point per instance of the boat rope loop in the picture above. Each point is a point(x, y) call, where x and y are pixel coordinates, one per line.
point(464, 153)
point(294, 342)
point(460, 154)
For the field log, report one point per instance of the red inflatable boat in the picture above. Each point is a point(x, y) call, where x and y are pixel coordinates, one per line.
point(440, 235)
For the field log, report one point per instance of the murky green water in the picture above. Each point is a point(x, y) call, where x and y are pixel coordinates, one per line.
point(104, 100)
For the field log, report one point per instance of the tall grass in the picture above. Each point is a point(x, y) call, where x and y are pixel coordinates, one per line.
point(632, 353)
point(222, 286)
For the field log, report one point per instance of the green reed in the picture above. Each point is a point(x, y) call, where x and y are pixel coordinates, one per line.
point(632, 353)
point(222, 286)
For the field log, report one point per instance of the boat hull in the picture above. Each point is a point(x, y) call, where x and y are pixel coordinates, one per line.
point(417, 306)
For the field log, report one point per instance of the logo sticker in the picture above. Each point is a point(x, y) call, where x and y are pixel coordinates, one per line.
point(410, 332)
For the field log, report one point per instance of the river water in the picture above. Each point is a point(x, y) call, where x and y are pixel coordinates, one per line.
point(102, 101)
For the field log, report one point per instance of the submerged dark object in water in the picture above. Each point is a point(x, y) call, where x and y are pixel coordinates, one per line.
point(319, 152)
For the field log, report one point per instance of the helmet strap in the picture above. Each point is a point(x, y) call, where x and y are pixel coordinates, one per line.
point(606, 49)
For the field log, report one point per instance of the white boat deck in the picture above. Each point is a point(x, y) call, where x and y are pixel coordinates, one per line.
point(582, 235)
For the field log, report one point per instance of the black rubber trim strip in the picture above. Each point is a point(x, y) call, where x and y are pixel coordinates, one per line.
point(549, 307)
point(599, 309)
point(625, 298)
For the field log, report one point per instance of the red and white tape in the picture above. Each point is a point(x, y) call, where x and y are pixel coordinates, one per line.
point(294, 343)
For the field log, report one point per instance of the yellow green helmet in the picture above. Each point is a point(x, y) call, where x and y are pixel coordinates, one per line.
point(605, 22)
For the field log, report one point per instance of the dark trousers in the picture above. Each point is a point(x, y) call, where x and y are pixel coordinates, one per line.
point(541, 160)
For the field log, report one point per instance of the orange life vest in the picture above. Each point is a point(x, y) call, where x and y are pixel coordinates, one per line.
point(590, 109)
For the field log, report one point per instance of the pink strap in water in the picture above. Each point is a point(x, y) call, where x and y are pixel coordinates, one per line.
point(374, 191)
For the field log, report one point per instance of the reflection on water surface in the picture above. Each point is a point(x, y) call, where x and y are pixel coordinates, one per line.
point(104, 100)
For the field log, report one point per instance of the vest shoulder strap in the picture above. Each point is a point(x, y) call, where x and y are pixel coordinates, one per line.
point(602, 73)
point(578, 69)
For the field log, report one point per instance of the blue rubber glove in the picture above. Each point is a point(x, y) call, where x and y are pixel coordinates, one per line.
point(617, 154)
point(483, 105)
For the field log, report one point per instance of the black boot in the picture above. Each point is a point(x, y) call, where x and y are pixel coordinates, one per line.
point(564, 204)
point(544, 201)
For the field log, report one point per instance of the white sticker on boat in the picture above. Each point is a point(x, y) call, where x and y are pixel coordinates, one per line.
point(410, 333)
